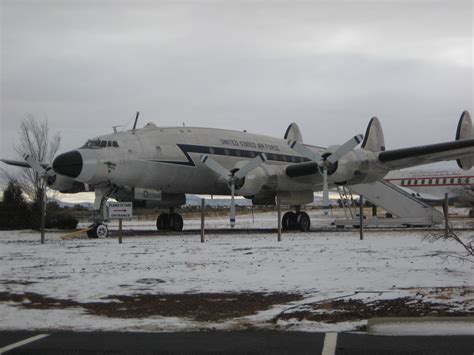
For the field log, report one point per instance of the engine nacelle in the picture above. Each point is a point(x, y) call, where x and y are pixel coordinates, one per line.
point(66, 184)
point(357, 167)
point(253, 183)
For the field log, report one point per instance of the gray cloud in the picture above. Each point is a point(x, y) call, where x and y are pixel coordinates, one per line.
point(258, 66)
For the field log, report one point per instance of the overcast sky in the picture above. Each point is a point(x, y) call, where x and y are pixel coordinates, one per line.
point(329, 66)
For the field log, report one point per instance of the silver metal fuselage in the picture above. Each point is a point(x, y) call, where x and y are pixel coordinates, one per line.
point(168, 159)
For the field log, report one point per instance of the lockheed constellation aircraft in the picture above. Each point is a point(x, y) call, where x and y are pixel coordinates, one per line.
point(160, 165)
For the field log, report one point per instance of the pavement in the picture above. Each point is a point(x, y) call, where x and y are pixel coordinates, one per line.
point(216, 342)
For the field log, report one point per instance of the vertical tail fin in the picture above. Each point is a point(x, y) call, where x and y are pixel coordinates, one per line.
point(374, 140)
point(464, 131)
point(293, 133)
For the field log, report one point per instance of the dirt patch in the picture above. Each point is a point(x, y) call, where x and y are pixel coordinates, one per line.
point(199, 307)
point(352, 310)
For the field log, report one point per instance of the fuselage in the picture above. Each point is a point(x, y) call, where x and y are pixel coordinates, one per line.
point(168, 158)
point(433, 185)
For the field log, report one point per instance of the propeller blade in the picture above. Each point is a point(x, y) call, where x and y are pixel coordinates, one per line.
point(251, 165)
point(305, 151)
point(345, 148)
point(325, 191)
point(36, 166)
point(215, 166)
point(232, 204)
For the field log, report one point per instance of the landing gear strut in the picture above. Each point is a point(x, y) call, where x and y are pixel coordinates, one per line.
point(296, 221)
point(98, 229)
point(169, 221)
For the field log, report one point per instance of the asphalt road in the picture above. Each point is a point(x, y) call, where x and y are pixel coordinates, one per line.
point(229, 342)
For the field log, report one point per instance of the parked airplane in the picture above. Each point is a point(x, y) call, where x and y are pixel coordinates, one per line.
point(161, 164)
point(431, 186)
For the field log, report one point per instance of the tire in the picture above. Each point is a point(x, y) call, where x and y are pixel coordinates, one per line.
point(303, 221)
point(288, 221)
point(101, 231)
point(176, 222)
point(98, 230)
point(163, 222)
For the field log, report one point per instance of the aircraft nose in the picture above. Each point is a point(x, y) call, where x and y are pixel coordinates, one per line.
point(68, 164)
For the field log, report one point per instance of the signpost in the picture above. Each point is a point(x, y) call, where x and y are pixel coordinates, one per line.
point(120, 210)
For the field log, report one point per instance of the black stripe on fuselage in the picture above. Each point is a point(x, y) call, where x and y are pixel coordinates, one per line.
point(230, 152)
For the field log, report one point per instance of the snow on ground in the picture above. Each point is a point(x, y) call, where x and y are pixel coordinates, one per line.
point(318, 265)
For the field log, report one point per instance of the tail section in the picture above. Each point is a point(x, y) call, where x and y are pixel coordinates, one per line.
point(464, 131)
point(293, 133)
point(374, 140)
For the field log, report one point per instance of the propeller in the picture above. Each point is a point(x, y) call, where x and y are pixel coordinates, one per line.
point(326, 161)
point(233, 176)
point(48, 174)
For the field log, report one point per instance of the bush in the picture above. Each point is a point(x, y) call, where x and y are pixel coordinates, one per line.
point(61, 220)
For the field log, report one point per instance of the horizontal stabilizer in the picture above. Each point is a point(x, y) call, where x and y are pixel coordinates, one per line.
point(464, 131)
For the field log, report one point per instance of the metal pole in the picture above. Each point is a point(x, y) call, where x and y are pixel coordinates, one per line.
point(279, 218)
point(43, 212)
point(203, 206)
point(361, 217)
point(120, 231)
point(446, 215)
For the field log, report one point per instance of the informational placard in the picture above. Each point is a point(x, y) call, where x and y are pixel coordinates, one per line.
point(120, 210)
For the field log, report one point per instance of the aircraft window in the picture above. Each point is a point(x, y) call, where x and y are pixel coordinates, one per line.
point(459, 181)
point(430, 181)
point(415, 182)
point(103, 144)
point(92, 144)
point(237, 153)
point(115, 144)
point(409, 182)
point(226, 152)
point(452, 181)
point(437, 181)
point(252, 154)
point(444, 181)
point(293, 159)
point(403, 182)
point(109, 143)
point(423, 182)
point(467, 180)
point(211, 150)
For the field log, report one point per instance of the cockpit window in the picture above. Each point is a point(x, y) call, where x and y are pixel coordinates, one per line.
point(97, 143)
point(92, 143)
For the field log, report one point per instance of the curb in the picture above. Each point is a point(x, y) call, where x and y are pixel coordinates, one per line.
point(421, 325)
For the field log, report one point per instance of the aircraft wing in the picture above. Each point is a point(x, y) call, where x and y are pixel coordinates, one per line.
point(426, 154)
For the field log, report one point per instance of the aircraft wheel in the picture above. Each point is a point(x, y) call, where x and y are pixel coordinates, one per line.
point(303, 221)
point(163, 222)
point(176, 222)
point(288, 221)
point(99, 230)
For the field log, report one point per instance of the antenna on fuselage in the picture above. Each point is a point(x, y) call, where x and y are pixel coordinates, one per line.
point(136, 120)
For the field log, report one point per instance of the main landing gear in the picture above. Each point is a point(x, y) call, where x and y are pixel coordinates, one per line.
point(169, 221)
point(298, 220)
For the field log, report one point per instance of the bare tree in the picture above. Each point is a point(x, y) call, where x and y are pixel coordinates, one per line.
point(466, 252)
point(35, 140)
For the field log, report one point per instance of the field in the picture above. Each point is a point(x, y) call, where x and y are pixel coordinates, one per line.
point(318, 281)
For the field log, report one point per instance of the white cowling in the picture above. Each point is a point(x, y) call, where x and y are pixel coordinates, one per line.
point(253, 182)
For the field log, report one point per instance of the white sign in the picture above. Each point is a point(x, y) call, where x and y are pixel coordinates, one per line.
point(119, 210)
